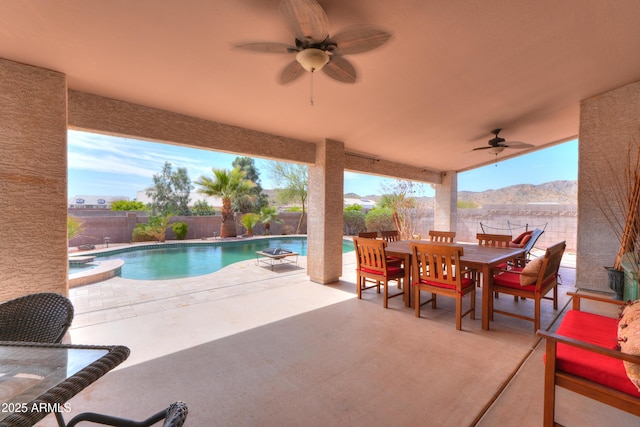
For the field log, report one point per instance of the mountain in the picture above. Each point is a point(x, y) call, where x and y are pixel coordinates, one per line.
point(561, 192)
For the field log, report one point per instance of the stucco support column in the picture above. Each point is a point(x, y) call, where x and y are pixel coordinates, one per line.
point(609, 125)
point(33, 173)
point(446, 210)
point(325, 221)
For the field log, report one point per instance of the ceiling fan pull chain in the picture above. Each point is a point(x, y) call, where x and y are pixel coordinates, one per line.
point(311, 90)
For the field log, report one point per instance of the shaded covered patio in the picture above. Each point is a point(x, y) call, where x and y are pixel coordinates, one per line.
point(280, 350)
point(548, 73)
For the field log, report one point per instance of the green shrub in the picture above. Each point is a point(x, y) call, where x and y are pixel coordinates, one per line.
point(202, 208)
point(355, 207)
point(379, 219)
point(293, 209)
point(249, 221)
point(74, 227)
point(155, 228)
point(180, 229)
point(140, 235)
point(354, 222)
point(467, 204)
point(127, 205)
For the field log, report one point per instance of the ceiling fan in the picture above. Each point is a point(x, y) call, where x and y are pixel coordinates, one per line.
point(314, 49)
point(497, 144)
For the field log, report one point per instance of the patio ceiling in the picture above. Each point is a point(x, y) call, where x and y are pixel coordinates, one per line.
point(452, 72)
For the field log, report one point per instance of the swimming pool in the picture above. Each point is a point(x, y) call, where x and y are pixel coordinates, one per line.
point(173, 261)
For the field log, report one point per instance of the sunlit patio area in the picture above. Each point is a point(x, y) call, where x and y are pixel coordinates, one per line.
point(251, 346)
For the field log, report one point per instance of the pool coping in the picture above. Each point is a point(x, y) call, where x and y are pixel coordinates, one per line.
point(105, 270)
point(111, 268)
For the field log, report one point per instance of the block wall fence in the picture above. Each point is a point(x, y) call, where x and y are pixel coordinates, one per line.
point(559, 221)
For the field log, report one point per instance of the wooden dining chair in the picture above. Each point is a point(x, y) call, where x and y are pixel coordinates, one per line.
point(372, 267)
point(534, 281)
point(436, 269)
point(442, 236)
point(390, 235)
point(494, 240)
point(368, 234)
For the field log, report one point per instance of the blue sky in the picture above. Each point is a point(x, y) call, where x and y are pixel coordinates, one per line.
point(101, 165)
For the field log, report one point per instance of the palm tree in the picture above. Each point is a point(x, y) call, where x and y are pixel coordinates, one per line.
point(227, 185)
point(268, 214)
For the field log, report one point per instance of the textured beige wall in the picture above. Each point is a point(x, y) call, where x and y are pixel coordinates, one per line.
point(325, 221)
point(33, 175)
point(445, 216)
point(113, 117)
point(608, 123)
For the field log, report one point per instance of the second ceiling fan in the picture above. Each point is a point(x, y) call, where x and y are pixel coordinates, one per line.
point(497, 144)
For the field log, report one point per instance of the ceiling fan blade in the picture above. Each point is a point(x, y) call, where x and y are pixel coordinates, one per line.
point(266, 47)
point(340, 69)
point(360, 38)
point(517, 144)
point(306, 19)
point(482, 148)
point(291, 72)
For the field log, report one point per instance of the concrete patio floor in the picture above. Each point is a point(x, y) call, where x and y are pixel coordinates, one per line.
point(247, 346)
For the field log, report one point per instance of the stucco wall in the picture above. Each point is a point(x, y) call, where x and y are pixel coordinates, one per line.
point(33, 174)
point(608, 122)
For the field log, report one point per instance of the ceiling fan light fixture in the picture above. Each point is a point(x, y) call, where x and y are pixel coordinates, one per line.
point(496, 150)
point(312, 59)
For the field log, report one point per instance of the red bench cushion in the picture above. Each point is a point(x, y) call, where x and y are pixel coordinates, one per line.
point(598, 330)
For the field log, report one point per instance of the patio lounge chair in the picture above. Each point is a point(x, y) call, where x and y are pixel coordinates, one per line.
point(526, 240)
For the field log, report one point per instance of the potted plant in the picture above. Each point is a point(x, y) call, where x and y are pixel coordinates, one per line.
point(621, 208)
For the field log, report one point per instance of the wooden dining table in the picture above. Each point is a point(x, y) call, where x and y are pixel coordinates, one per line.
point(477, 257)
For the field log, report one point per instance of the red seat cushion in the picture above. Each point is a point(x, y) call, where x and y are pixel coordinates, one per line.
point(512, 280)
point(391, 271)
point(394, 260)
point(598, 330)
point(522, 239)
point(465, 283)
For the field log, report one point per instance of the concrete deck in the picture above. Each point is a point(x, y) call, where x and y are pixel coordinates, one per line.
point(248, 346)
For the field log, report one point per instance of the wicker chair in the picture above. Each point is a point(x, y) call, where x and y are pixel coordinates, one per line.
point(43, 317)
point(174, 416)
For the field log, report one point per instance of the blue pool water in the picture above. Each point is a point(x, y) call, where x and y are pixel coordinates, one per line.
point(171, 262)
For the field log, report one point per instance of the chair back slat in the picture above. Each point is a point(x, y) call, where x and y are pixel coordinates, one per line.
point(368, 234)
point(437, 263)
point(442, 236)
point(494, 240)
point(370, 254)
point(390, 235)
